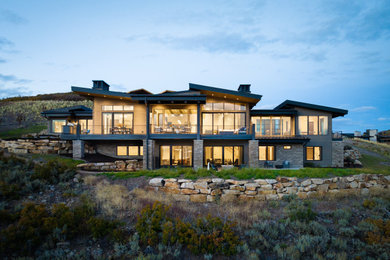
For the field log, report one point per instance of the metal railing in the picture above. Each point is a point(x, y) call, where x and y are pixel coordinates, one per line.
point(224, 130)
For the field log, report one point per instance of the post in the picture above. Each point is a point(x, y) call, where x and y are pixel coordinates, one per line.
point(198, 154)
point(198, 122)
point(78, 149)
point(253, 153)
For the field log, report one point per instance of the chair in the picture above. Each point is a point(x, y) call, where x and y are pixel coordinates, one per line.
point(286, 164)
point(268, 164)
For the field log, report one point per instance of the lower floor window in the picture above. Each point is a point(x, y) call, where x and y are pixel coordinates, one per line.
point(267, 153)
point(130, 150)
point(175, 155)
point(227, 155)
point(313, 153)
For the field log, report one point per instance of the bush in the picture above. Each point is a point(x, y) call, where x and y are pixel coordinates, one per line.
point(381, 232)
point(53, 172)
point(301, 211)
point(204, 236)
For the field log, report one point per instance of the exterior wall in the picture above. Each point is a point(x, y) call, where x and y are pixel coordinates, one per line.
point(198, 154)
point(151, 154)
point(337, 154)
point(293, 155)
point(139, 114)
point(325, 141)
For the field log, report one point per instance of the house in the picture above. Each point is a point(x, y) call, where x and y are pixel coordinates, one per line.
point(198, 126)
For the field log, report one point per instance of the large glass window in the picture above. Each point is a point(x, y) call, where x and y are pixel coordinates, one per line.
point(227, 155)
point(272, 125)
point(57, 125)
point(117, 123)
point(313, 125)
point(230, 106)
point(131, 150)
point(174, 120)
point(85, 125)
point(267, 153)
point(313, 153)
point(176, 155)
point(323, 125)
point(302, 124)
point(223, 123)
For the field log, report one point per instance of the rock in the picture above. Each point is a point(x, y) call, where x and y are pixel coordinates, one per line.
point(261, 181)
point(170, 190)
point(228, 197)
point(251, 192)
point(237, 187)
point(291, 190)
point(205, 191)
point(231, 192)
point(120, 165)
point(183, 180)
point(179, 197)
point(172, 184)
point(265, 192)
point(200, 185)
point(246, 197)
point(311, 187)
point(365, 192)
point(156, 182)
point(306, 182)
point(210, 198)
point(171, 180)
point(270, 181)
point(187, 185)
point(350, 179)
point(282, 179)
point(189, 191)
point(302, 195)
point(353, 185)
point(235, 182)
point(317, 181)
point(357, 164)
point(323, 187)
point(266, 187)
point(75, 180)
point(271, 197)
point(251, 186)
point(287, 184)
point(222, 185)
point(216, 192)
point(198, 198)
point(333, 186)
point(217, 180)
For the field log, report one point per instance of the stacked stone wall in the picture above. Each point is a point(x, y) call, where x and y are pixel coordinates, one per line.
point(211, 189)
point(126, 165)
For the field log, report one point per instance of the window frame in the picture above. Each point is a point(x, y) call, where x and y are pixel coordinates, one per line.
point(140, 148)
point(182, 155)
point(313, 154)
point(223, 154)
point(112, 120)
point(57, 120)
point(213, 130)
point(318, 127)
point(267, 152)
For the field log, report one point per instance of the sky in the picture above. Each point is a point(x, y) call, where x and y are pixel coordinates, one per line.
point(331, 53)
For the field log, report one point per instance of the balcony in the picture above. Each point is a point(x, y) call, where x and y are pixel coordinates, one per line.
point(103, 132)
point(224, 130)
point(173, 129)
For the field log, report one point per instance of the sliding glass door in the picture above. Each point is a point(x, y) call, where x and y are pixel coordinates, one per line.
point(175, 155)
point(223, 155)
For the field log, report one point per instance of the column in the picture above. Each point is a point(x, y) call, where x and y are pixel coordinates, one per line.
point(253, 154)
point(198, 154)
point(78, 149)
point(151, 144)
point(145, 154)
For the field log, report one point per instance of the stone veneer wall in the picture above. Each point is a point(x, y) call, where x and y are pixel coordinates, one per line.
point(41, 146)
point(198, 154)
point(208, 190)
point(293, 155)
point(337, 154)
point(253, 154)
point(127, 165)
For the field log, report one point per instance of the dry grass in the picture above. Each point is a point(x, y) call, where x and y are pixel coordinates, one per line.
point(113, 199)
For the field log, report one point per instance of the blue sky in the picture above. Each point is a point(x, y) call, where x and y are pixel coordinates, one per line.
point(333, 53)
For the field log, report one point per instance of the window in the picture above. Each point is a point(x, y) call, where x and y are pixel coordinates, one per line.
point(287, 147)
point(313, 153)
point(175, 155)
point(226, 155)
point(85, 125)
point(174, 119)
point(117, 108)
point(267, 153)
point(130, 150)
point(224, 106)
point(218, 123)
point(57, 125)
point(272, 125)
point(313, 125)
point(117, 123)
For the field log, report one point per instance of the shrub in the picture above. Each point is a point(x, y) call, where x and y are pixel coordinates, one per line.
point(204, 236)
point(53, 172)
point(101, 227)
point(301, 211)
point(369, 203)
point(381, 233)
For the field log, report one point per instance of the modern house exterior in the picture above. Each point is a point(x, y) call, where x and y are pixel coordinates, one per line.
point(198, 127)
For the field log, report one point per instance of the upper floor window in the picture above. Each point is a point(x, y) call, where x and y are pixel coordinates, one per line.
point(117, 108)
point(57, 125)
point(272, 125)
point(313, 125)
point(230, 106)
point(117, 123)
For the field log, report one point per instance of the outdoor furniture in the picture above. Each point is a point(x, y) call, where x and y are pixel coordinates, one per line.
point(286, 164)
point(226, 132)
point(268, 164)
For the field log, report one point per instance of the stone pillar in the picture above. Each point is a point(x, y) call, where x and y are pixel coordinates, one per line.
point(151, 144)
point(78, 149)
point(144, 156)
point(253, 154)
point(198, 154)
point(337, 154)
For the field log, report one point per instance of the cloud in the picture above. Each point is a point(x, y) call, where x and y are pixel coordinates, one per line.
point(363, 109)
point(4, 43)
point(384, 118)
point(11, 17)
point(13, 79)
point(211, 42)
point(3, 60)
point(13, 92)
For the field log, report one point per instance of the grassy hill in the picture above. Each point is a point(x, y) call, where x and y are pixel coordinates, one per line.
point(21, 115)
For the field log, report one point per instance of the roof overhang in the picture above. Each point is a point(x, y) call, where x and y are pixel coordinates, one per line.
point(273, 112)
point(88, 92)
point(165, 99)
point(289, 104)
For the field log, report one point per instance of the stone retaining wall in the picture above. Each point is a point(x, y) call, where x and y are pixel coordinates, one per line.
point(127, 165)
point(211, 189)
point(41, 146)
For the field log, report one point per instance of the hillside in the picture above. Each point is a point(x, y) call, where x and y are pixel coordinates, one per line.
point(19, 115)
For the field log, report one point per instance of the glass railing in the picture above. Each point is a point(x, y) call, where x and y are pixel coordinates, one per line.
point(173, 129)
point(224, 130)
point(105, 130)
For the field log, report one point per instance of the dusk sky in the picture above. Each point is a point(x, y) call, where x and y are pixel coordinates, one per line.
point(332, 53)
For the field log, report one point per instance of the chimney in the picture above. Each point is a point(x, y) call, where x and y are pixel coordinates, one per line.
point(100, 85)
point(245, 88)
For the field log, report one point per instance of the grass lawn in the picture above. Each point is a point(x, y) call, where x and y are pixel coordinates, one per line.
point(18, 132)
point(249, 173)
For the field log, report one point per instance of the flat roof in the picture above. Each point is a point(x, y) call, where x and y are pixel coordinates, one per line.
point(291, 104)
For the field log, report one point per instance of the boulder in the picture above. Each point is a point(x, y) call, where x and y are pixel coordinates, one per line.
point(187, 185)
point(157, 182)
point(251, 186)
point(198, 198)
point(189, 191)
